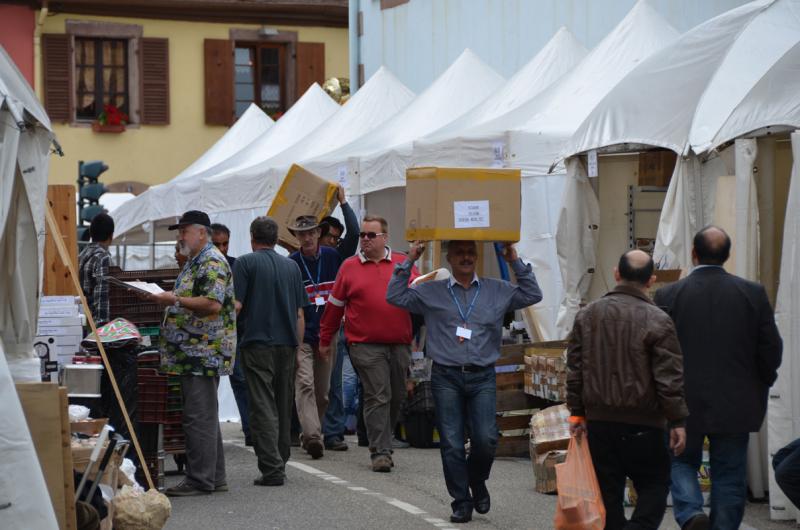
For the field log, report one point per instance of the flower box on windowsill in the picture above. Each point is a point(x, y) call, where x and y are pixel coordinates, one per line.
point(100, 128)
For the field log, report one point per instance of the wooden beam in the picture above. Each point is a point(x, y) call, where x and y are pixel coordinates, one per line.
point(61, 198)
point(62, 251)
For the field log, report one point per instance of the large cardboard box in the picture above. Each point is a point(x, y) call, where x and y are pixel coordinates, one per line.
point(463, 203)
point(302, 193)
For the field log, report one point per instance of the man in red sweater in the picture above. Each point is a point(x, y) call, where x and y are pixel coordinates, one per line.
point(378, 334)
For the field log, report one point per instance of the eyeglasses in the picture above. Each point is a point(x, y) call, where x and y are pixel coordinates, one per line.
point(370, 235)
point(334, 239)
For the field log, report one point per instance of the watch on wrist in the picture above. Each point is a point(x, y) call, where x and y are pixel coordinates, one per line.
point(177, 302)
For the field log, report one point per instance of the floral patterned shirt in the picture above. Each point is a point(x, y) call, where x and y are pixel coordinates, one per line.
point(194, 345)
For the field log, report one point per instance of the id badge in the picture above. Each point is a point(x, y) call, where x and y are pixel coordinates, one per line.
point(319, 301)
point(463, 333)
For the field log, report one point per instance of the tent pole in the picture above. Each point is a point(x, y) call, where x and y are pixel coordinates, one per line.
point(152, 245)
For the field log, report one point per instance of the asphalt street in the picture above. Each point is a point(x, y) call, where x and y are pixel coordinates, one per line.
point(341, 491)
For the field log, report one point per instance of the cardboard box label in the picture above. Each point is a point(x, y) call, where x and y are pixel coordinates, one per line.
point(471, 214)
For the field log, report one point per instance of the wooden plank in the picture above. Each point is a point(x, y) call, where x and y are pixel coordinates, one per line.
point(41, 404)
point(516, 400)
point(56, 274)
point(511, 359)
point(66, 452)
point(509, 423)
point(513, 446)
point(512, 379)
point(52, 226)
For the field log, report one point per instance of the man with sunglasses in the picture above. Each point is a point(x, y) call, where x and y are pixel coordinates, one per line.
point(318, 266)
point(378, 335)
point(464, 318)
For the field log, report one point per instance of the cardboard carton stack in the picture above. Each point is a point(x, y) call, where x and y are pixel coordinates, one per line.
point(59, 333)
point(546, 370)
point(548, 445)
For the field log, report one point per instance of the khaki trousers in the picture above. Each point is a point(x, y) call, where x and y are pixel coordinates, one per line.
point(382, 369)
point(311, 386)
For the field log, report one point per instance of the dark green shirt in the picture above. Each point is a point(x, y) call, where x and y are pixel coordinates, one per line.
point(271, 291)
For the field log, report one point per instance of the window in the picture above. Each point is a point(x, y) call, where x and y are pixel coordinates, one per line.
point(101, 76)
point(259, 78)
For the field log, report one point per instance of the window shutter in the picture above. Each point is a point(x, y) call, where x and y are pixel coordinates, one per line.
point(219, 81)
point(310, 65)
point(154, 65)
point(57, 76)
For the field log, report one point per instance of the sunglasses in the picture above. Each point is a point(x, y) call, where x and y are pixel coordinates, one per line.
point(370, 235)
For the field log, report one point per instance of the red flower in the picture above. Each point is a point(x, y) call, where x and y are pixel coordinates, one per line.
point(111, 115)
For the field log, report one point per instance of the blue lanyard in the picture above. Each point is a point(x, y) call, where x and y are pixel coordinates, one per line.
point(464, 317)
point(190, 263)
point(319, 260)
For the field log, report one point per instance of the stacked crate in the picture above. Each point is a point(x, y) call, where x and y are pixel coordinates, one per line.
point(125, 304)
point(546, 371)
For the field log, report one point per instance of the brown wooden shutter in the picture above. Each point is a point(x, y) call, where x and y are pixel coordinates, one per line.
point(310, 65)
point(154, 65)
point(57, 76)
point(219, 81)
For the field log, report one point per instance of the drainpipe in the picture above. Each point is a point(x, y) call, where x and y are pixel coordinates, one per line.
point(353, 44)
point(37, 49)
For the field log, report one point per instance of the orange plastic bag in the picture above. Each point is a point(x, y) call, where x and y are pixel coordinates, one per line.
point(580, 503)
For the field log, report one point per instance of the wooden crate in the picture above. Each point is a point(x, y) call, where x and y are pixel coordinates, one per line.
point(512, 401)
point(57, 280)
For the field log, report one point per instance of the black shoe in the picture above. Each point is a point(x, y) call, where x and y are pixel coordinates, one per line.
point(462, 514)
point(263, 481)
point(336, 445)
point(698, 522)
point(363, 442)
point(481, 499)
point(315, 449)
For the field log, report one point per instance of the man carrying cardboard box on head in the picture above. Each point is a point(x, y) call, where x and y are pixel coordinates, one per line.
point(464, 317)
point(378, 335)
point(318, 268)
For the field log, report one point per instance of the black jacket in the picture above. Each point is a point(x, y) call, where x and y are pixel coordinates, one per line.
point(731, 348)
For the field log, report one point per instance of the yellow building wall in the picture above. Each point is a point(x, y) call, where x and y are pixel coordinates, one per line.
point(154, 154)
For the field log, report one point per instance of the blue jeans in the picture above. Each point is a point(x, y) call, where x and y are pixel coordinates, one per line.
point(239, 387)
point(728, 461)
point(786, 464)
point(461, 399)
point(333, 423)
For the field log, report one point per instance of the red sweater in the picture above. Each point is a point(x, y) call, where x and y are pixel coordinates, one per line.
point(360, 295)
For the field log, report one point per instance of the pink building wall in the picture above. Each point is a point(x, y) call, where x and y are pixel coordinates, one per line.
point(16, 36)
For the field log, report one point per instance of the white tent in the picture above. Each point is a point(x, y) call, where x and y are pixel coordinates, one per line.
point(236, 199)
point(732, 76)
point(149, 207)
point(450, 145)
point(379, 161)
point(530, 135)
point(25, 138)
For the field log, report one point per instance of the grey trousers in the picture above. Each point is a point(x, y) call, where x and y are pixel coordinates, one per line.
point(311, 386)
point(269, 372)
point(382, 369)
point(205, 459)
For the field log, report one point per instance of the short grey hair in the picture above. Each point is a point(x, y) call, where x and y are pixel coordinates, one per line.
point(264, 231)
point(209, 233)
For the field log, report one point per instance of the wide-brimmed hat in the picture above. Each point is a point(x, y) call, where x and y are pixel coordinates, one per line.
point(192, 217)
point(303, 224)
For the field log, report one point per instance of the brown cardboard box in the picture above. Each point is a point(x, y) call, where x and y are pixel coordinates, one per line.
point(463, 203)
point(544, 468)
point(302, 193)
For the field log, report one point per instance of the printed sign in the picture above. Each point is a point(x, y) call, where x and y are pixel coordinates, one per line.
point(471, 214)
point(592, 169)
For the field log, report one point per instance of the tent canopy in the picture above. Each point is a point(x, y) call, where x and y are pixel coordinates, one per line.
point(144, 208)
point(379, 160)
point(729, 76)
point(381, 97)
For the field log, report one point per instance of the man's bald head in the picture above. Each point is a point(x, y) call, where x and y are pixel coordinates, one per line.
point(712, 246)
point(635, 266)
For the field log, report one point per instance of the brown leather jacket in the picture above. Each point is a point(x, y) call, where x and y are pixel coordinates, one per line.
point(624, 362)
